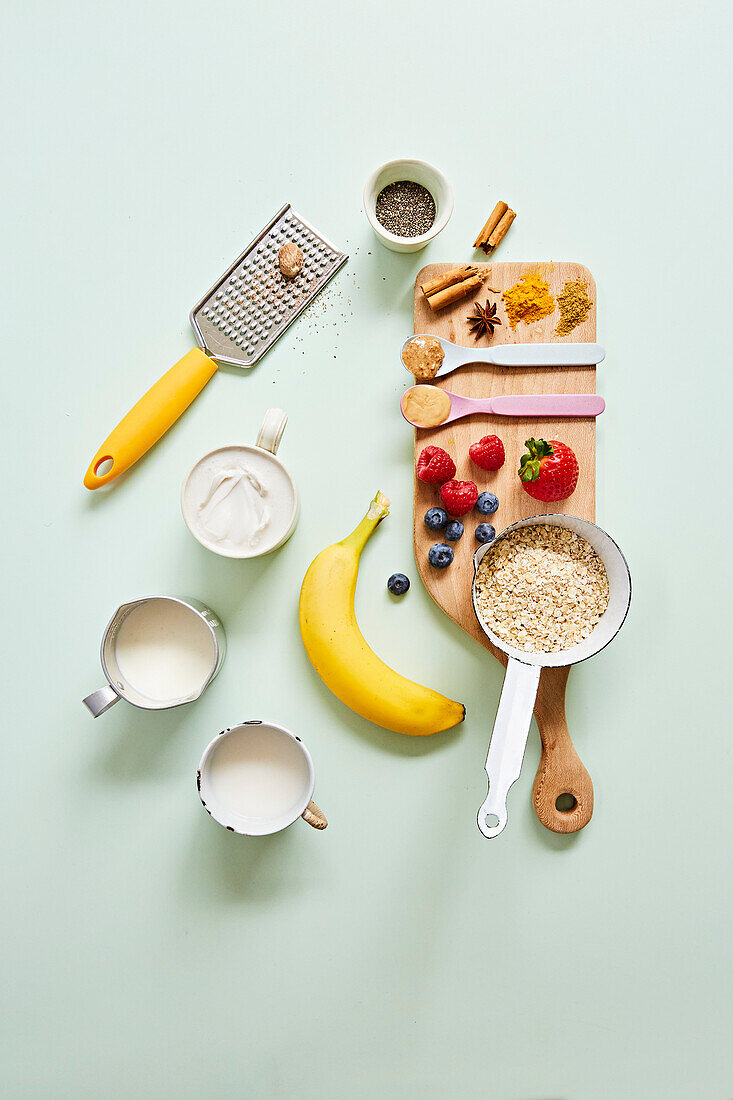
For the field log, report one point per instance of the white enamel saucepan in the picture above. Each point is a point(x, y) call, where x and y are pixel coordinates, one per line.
point(511, 726)
point(514, 355)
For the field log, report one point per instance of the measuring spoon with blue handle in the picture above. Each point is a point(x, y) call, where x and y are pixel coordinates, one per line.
point(514, 355)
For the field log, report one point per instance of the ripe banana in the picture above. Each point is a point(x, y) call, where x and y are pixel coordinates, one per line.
point(341, 656)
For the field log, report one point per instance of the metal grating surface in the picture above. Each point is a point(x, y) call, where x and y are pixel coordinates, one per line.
point(252, 305)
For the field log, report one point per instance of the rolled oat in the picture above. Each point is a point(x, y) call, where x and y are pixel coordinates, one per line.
point(542, 588)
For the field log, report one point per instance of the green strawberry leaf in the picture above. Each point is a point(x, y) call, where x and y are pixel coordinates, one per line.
point(530, 464)
point(529, 470)
point(538, 448)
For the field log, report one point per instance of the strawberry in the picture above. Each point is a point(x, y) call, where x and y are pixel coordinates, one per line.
point(459, 497)
point(435, 466)
point(488, 453)
point(549, 471)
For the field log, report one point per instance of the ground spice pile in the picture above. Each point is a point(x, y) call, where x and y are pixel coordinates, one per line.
point(574, 306)
point(528, 300)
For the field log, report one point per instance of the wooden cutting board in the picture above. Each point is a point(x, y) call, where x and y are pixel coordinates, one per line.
point(560, 771)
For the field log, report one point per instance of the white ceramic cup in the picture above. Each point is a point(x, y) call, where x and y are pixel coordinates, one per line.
point(276, 495)
point(418, 171)
point(257, 778)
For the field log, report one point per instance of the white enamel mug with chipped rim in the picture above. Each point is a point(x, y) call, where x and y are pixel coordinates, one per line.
point(234, 817)
point(522, 678)
point(267, 442)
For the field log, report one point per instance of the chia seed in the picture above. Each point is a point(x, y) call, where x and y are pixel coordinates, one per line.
point(405, 208)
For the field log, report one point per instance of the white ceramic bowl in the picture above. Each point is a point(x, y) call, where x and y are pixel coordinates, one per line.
point(418, 171)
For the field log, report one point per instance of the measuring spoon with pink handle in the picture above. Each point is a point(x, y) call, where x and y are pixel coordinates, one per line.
point(543, 404)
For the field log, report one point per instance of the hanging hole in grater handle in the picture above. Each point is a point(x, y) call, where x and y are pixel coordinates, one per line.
point(104, 466)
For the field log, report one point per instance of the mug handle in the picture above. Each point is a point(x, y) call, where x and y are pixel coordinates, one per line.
point(100, 701)
point(271, 430)
point(315, 816)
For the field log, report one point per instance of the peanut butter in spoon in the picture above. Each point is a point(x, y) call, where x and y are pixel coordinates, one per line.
point(426, 406)
point(423, 356)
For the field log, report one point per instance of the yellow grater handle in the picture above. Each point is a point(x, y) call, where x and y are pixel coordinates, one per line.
point(154, 414)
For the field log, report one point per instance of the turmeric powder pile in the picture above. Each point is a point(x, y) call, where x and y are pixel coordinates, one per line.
point(528, 300)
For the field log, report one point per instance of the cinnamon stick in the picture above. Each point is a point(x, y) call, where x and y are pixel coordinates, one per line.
point(496, 215)
point(455, 292)
point(500, 232)
point(448, 278)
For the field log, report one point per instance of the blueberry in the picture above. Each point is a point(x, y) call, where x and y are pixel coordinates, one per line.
point(436, 518)
point(454, 530)
point(440, 555)
point(398, 584)
point(485, 532)
point(487, 504)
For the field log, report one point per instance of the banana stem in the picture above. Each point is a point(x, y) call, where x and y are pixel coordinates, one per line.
point(378, 509)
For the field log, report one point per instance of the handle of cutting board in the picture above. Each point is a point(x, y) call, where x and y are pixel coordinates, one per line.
point(561, 773)
point(151, 417)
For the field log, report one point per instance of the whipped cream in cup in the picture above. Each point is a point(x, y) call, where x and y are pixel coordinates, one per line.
point(241, 501)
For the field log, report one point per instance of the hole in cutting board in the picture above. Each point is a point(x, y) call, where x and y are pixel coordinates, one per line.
point(491, 821)
point(103, 466)
point(565, 803)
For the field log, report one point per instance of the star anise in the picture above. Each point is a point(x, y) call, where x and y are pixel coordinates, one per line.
point(483, 320)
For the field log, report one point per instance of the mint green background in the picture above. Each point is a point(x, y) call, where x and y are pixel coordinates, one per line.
point(151, 954)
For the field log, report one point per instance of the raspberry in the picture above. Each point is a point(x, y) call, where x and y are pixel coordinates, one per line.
point(435, 466)
point(459, 497)
point(488, 453)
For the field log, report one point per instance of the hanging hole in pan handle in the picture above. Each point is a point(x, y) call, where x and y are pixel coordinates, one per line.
point(491, 820)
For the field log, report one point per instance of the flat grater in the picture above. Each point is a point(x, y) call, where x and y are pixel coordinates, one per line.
point(252, 305)
point(236, 322)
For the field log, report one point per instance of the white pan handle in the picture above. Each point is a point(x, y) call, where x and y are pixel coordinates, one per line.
point(547, 355)
point(508, 741)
